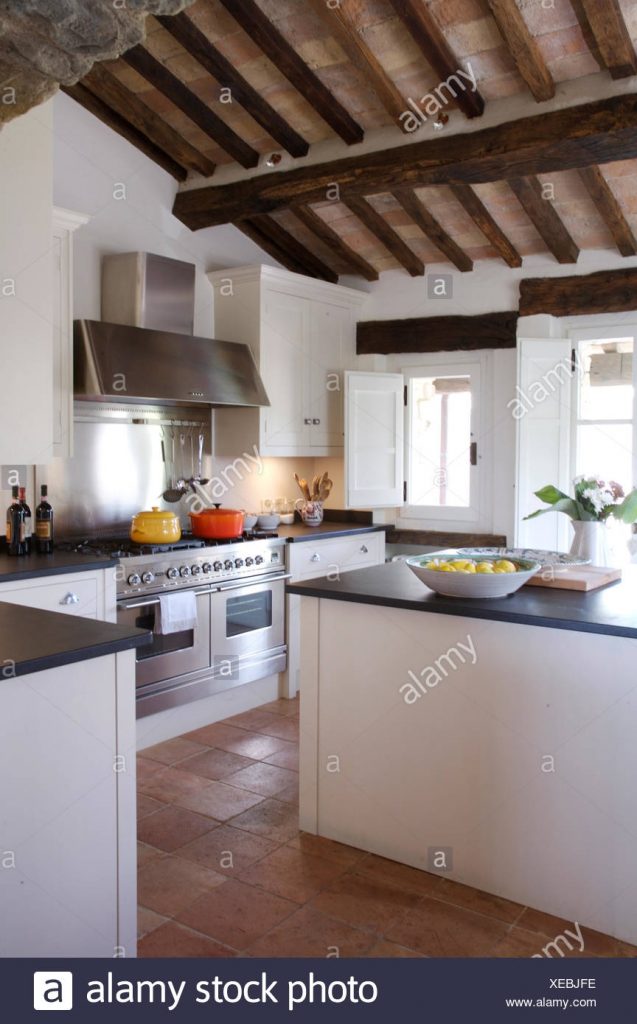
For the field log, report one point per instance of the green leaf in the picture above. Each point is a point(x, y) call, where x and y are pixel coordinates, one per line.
point(627, 509)
point(567, 505)
point(550, 494)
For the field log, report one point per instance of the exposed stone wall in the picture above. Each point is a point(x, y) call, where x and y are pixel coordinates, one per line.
point(45, 42)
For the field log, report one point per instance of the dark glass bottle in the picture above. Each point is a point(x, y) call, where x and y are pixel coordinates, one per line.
point(15, 526)
point(44, 524)
point(28, 521)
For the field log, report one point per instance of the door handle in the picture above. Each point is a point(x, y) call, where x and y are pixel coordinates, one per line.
point(316, 422)
point(307, 421)
point(315, 557)
point(253, 582)
point(364, 549)
point(70, 598)
point(473, 453)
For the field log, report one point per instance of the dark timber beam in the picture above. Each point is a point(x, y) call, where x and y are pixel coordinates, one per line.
point(523, 48)
point(412, 205)
point(608, 291)
point(322, 230)
point(189, 103)
point(610, 210)
point(545, 219)
point(560, 140)
point(286, 59)
point(436, 334)
point(489, 228)
point(385, 233)
point(184, 30)
point(429, 37)
point(275, 240)
point(606, 36)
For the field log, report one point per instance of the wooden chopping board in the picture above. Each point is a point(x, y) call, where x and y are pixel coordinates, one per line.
point(581, 577)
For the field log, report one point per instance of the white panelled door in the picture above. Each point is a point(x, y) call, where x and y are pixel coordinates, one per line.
point(542, 411)
point(374, 441)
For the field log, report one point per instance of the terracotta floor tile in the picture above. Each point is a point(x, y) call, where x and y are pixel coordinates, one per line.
point(308, 933)
point(253, 744)
point(385, 949)
point(147, 921)
point(327, 848)
point(173, 750)
point(625, 949)
point(173, 827)
point(520, 943)
point(287, 728)
point(400, 875)
point(172, 939)
point(147, 805)
point(227, 849)
point(595, 943)
point(236, 914)
point(282, 707)
point(215, 764)
point(364, 902)
point(292, 874)
point(170, 884)
point(216, 735)
point(146, 853)
point(252, 720)
point(287, 757)
point(474, 899)
point(438, 929)
point(266, 779)
point(171, 783)
point(219, 801)
point(290, 795)
point(271, 819)
point(146, 769)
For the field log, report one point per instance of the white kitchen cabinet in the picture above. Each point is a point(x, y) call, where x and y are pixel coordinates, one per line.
point(65, 222)
point(302, 333)
point(88, 594)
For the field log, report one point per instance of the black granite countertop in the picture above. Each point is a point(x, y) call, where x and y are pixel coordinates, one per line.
point(32, 640)
point(611, 610)
point(298, 532)
point(28, 567)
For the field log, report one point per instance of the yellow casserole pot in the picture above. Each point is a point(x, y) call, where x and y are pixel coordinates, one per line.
point(155, 527)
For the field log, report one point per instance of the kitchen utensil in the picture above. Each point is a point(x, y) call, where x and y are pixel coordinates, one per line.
point(200, 443)
point(268, 521)
point(172, 494)
point(156, 526)
point(311, 512)
point(460, 584)
point(182, 483)
point(303, 487)
point(582, 577)
point(217, 523)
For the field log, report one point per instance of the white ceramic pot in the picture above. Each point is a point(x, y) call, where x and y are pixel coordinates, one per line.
point(591, 540)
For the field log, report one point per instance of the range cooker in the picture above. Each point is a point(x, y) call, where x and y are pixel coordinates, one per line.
point(239, 633)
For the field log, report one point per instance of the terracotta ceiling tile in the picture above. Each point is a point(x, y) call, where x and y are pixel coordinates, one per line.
point(574, 65)
point(473, 37)
point(540, 19)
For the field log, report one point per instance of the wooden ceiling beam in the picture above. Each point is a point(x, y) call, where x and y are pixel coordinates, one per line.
point(127, 105)
point(284, 57)
point(487, 225)
point(326, 234)
point(610, 210)
point(545, 219)
point(607, 291)
point(429, 37)
point(344, 30)
point(560, 140)
point(606, 36)
point(284, 247)
point(523, 48)
point(112, 119)
point(157, 75)
point(385, 233)
point(184, 30)
point(437, 334)
point(432, 229)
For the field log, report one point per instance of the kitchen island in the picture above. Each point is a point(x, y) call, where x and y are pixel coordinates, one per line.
point(491, 742)
point(67, 760)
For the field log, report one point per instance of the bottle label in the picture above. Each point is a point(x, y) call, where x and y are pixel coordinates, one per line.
point(28, 529)
point(8, 531)
point(43, 530)
point(23, 532)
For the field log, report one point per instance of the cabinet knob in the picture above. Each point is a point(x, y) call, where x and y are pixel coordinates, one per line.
point(308, 422)
point(70, 598)
point(316, 422)
point(364, 549)
point(315, 557)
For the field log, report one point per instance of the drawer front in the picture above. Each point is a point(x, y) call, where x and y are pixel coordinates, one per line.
point(338, 555)
point(73, 597)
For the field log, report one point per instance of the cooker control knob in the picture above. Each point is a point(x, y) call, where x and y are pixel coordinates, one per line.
point(196, 569)
point(134, 579)
point(259, 559)
point(228, 564)
point(148, 577)
point(217, 567)
point(172, 573)
point(249, 561)
point(207, 567)
point(185, 570)
point(238, 563)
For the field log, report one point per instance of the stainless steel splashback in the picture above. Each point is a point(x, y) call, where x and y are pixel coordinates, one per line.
point(117, 468)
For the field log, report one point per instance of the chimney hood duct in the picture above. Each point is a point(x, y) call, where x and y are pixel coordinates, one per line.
point(152, 356)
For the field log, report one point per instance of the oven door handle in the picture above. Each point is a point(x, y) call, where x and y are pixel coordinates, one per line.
point(134, 602)
point(253, 581)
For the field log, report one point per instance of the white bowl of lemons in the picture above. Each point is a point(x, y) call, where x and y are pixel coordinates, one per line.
point(457, 574)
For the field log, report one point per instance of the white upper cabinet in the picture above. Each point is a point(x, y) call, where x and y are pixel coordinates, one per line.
point(65, 222)
point(374, 431)
point(303, 336)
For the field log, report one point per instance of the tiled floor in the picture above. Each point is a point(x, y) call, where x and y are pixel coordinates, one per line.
point(224, 870)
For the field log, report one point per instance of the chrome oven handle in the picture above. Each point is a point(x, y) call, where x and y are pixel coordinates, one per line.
point(135, 602)
point(254, 581)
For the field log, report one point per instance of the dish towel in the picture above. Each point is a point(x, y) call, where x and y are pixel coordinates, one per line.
point(177, 612)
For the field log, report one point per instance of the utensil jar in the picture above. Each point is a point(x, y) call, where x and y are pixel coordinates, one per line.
point(311, 512)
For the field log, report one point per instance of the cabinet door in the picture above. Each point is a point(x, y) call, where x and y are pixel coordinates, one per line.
point(284, 347)
point(329, 330)
point(374, 429)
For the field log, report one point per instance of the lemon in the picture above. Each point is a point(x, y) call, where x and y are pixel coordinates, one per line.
point(469, 567)
point(504, 565)
point(484, 567)
point(459, 563)
point(446, 567)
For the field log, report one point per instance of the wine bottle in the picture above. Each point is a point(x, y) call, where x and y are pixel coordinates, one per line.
point(44, 524)
point(15, 526)
point(28, 522)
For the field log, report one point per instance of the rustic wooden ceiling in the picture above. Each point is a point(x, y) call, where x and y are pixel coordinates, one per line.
point(298, 72)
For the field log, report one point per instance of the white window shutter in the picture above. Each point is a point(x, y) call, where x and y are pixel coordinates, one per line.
point(374, 439)
point(543, 415)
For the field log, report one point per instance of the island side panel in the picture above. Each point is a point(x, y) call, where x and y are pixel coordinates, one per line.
point(309, 714)
point(518, 762)
point(126, 780)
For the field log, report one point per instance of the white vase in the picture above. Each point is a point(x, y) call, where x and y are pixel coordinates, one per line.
point(591, 541)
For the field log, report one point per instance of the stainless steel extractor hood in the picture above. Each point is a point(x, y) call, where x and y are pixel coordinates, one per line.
point(152, 356)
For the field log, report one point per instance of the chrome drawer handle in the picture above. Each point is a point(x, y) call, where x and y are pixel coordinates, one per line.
point(70, 598)
point(364, 550)
point(315, 557)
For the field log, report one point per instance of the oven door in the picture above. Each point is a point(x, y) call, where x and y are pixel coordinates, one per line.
point(171, 654)
point(248, 618)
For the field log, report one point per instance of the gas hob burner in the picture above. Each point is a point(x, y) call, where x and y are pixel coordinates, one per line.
point(122, 547)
